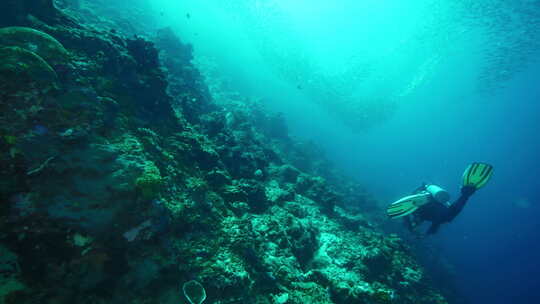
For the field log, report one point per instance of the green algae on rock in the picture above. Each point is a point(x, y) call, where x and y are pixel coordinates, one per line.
point(9, 270)
point(149, 183)
point(44, 45)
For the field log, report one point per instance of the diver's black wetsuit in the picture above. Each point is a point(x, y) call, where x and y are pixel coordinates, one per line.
point(438, 213)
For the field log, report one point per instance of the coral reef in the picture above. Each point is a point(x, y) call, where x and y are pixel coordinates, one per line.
point(35, 41)
point(28, 60)
point(21, 69)
point(125, 180)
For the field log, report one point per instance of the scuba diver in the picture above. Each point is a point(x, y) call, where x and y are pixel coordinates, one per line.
point(431, 202)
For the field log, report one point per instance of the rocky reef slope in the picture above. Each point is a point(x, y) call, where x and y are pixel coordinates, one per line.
point(124, 179)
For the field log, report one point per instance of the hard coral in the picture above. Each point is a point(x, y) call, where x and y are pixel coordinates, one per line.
point(34, 41)
point(149, 183)
point(144, 53)
point(21, 69)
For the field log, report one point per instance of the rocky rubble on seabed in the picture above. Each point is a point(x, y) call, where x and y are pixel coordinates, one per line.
point(112, 191)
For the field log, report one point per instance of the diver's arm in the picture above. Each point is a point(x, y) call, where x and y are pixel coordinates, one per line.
point(420, 189)
point(449, 213)
point(433, 228)
point(458, 205)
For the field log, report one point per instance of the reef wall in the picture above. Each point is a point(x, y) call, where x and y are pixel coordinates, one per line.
point(122, 181)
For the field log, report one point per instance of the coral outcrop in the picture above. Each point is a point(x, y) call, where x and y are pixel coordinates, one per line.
point(21, 69)
point(34, 41)
point(28, 57)
point(126, 181)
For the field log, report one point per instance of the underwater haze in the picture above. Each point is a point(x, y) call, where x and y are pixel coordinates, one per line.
point(246, 151)
point(399, 93)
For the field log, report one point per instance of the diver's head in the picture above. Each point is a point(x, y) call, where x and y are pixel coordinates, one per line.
point(438, 193)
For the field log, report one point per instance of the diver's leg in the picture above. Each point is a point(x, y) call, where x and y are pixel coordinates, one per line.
point(410, 222)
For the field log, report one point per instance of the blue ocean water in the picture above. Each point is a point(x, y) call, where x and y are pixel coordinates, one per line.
point(493, 243)
point(399, 93)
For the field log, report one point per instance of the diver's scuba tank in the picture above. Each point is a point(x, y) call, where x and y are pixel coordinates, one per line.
point(438, 193)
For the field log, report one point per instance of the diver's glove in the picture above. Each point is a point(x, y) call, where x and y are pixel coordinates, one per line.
point(468, 190)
